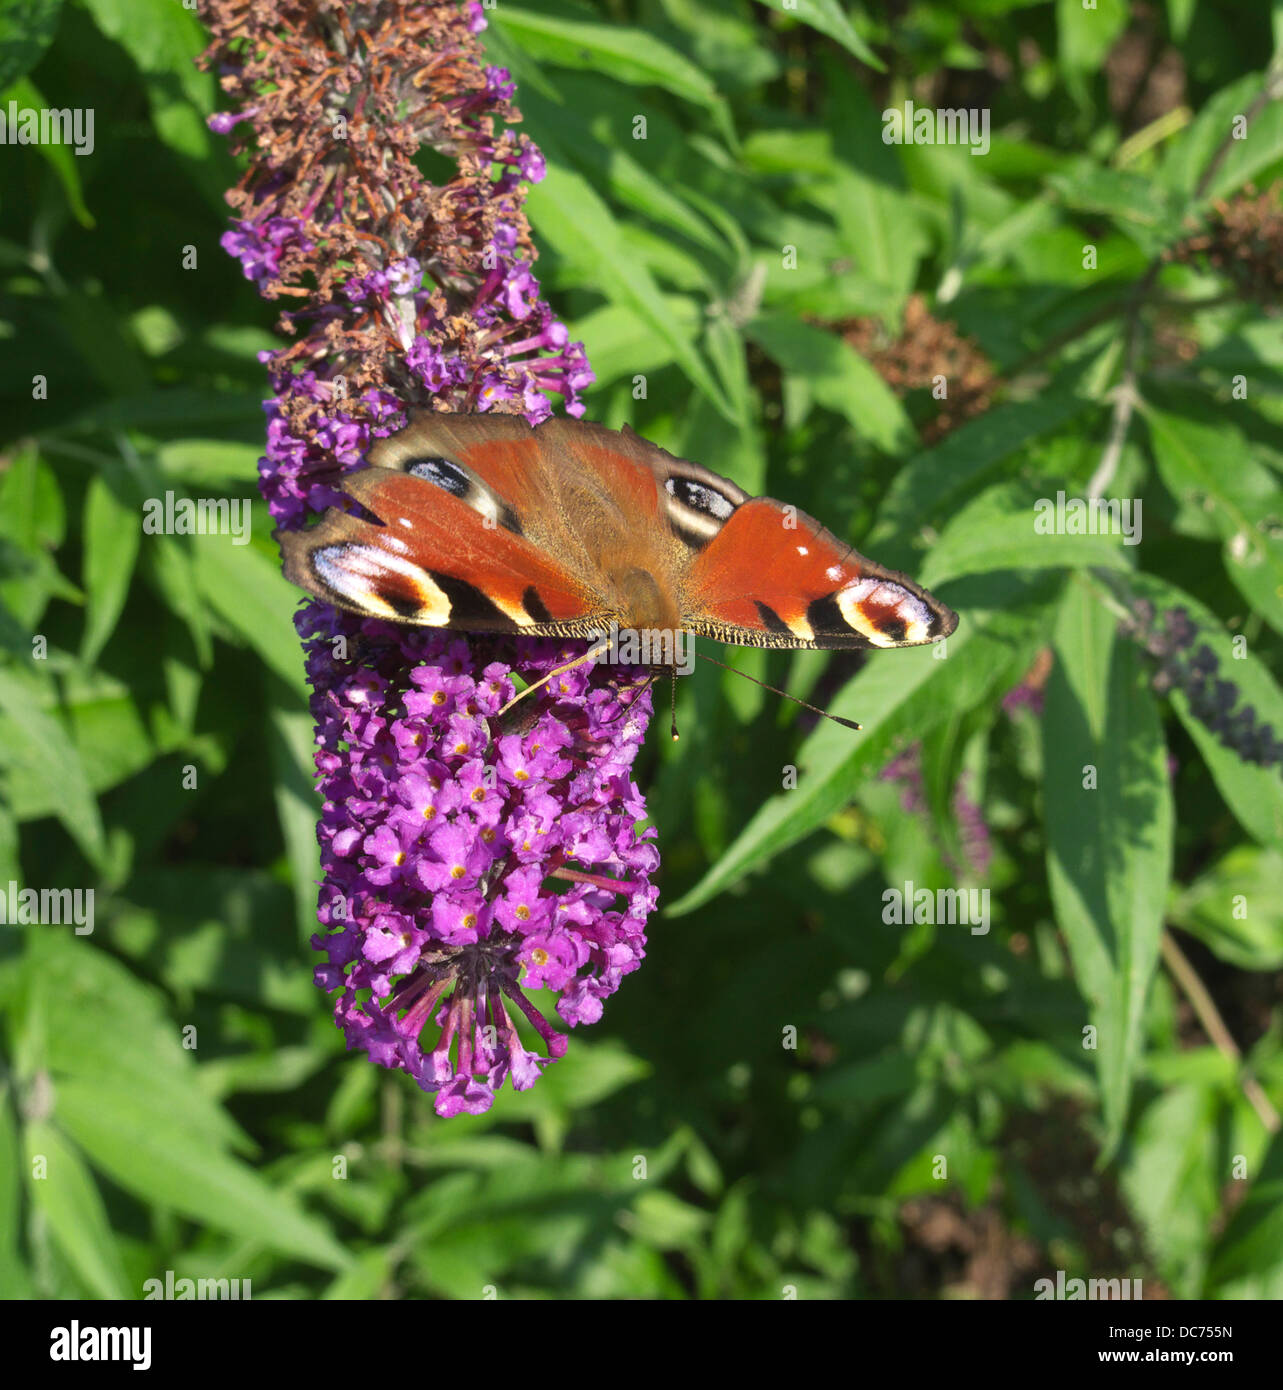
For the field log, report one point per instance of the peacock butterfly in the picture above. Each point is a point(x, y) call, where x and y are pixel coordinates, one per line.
point(487, 524)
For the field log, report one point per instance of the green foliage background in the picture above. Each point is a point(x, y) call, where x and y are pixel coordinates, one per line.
point(816, 1167)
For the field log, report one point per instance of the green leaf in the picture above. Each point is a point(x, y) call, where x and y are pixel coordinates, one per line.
point(171, 570)
point(164, 39)
point(75, 997)
point(1233, 908)
point(1260, 145)
point(65, 1192)
point(1005, 527)
point(1247, 1261)
point(62, 159)
point(1180, 13)
point(567, 212)
point(829, 18)
point(27, 28)
point(624, 344)
point(22, 700)
point(217, 931)
point(111, 536)
point(1109, 833)
point(584, 1077)
point(636, 187)
point(879, 227)
point(838, 377)
point(292, 743)
point(219, 464)
point(663, 1220)
point(1172, 1183)
point(174, 408)
point(1141, 208)
point(1205, 465)
point(132, 1137)
point(618, 51)
point(935, 483)
point(14, 1279)
point(248, 591)
point(1086, 35)
point(368, 1276)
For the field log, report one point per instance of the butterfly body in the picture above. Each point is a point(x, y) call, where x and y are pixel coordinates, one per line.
point(485, 524)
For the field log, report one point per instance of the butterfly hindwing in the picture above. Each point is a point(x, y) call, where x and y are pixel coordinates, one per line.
point(774, 577)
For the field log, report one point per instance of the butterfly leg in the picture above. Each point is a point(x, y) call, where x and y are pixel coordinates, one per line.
point(590, 655)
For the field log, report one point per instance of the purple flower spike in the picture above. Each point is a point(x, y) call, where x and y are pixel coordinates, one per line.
point(472, 863)
point(468, 857)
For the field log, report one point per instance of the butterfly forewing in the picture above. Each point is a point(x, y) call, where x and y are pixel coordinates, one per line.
point(432, 559)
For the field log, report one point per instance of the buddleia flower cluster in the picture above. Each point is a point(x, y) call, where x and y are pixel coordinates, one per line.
point(467, 858)
point(1171, 640)
point(974, 839)
point(1243, 239)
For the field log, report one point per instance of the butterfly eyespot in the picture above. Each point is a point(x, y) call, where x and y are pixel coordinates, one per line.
point(699, 497)
point(885, 612)
point(446, 475)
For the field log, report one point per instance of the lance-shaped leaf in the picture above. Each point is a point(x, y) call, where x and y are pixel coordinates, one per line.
point(1109, 833)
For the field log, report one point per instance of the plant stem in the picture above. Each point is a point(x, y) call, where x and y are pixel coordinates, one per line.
point(1214, 1026)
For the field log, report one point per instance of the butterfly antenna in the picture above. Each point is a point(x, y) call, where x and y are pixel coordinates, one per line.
point(590, 655)
point(815, 709)
point(673, 726)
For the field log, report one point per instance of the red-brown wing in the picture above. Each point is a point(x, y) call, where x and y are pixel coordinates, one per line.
point(774, 577)
point(435, 560)
point(574, 489)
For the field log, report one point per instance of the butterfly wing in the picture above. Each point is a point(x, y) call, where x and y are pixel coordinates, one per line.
point(772, 576)
point(450, 544)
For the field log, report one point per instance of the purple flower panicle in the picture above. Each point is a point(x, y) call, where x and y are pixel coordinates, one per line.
point(468, 858)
